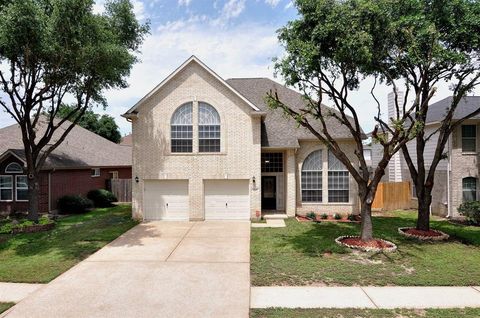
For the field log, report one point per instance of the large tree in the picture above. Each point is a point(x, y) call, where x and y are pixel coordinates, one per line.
point(103, 125)
point(329, 49)
point(57, 51)
point(441, 40)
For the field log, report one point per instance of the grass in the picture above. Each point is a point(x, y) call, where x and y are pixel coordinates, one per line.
point(306, 254)
point(40, 257)
point(365, 313)
point(5, 306)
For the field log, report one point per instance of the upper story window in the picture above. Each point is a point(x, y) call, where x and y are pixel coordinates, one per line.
point(338, 180)
point(13, 168)
point(469, 188)
point(182, 129)
point(208, 128)
point(312, 177)
point(469, 138)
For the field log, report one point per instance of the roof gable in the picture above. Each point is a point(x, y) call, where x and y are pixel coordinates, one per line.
point(192, 59)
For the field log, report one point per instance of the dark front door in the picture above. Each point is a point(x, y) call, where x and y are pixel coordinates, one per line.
point(269, 192)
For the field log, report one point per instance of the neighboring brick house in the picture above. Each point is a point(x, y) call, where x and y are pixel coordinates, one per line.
point(83, 161)
point(456, 177)
point(206, 148)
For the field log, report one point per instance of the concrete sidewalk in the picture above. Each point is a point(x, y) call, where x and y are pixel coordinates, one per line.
point(365, 297)
point(15, 292)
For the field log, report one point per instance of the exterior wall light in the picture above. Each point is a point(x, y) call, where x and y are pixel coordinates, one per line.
point(136, 179)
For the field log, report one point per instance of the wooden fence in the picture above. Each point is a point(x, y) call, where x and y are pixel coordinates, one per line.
point(121, 188)
point(392, 196)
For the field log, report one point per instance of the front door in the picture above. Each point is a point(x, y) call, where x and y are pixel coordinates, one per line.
point(269, 192)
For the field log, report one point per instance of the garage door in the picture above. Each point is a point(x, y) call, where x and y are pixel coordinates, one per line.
point(166, 199)
point(227, 199)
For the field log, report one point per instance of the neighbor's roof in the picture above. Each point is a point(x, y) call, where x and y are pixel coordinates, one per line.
point(80, 149)
point(467, 105)
point(127, 140)
point(277, 130)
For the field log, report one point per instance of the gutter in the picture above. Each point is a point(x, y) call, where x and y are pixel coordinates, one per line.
point(449, 167)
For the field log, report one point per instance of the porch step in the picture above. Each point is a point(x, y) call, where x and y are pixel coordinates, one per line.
point(275, 216)
point(271, 223)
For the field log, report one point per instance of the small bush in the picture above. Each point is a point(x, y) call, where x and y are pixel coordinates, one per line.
point(101, 198)
point(10, 226)
point(337, 216)
point(324, 216)
point(311, 215)
point(351, 217)
point(73, 204)
point(471, 210)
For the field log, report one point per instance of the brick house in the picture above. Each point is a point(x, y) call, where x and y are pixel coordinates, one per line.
point(209, 148)
point(83, 161)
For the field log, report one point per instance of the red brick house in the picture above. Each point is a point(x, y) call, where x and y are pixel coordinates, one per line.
point(84, 161)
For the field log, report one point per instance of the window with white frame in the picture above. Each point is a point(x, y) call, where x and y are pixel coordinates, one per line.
point(181, 126)
point(469, 138)
point(208, 128)
point(312, 177)
point(338, 180)
point(13, 167)
point(95, 172)
point(469, 188)
point(6, 188)
point(21, 188)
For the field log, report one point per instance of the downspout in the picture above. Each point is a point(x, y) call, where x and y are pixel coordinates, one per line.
point(449, 165)
point(49, 191)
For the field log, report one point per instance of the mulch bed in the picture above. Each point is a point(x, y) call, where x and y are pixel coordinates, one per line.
point(330, 218)
point(431, 235)
point(34, 228)
point(375, 245)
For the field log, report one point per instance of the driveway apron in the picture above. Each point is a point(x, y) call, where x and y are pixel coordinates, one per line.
point(157, 269)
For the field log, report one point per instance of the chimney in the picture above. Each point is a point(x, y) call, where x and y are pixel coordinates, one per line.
point(395, 164)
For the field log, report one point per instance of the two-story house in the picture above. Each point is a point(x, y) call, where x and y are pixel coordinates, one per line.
point(209, 148)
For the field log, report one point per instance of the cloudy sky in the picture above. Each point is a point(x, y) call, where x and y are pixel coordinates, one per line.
point(236, 38)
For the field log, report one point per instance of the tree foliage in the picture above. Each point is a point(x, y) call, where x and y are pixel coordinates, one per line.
point(53, 51)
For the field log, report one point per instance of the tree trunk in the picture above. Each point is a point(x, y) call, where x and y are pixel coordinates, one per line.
point(33, 193)
point(424, 201)
point(366, 229)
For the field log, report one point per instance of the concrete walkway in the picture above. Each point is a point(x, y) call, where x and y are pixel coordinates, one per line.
point(365, 297)
point(15, 292)
point(157, 269)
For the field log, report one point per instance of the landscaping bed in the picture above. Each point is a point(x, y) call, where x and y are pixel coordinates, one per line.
point(40, 257)
point(431, 235)
point(336, 217)
point(374, 245)
point(25, 226)
point(305, 253)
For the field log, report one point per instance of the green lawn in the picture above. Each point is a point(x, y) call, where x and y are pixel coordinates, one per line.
point(40, 257)
point(365, 313)
point(5, 306)
point(306, 254)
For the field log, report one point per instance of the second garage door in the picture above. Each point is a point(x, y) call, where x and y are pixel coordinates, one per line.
point(227, 199)
point(166, 199)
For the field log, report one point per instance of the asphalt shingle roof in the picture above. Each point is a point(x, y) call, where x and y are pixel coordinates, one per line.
point(468, 104)
point(278, 131)
point(80, 149)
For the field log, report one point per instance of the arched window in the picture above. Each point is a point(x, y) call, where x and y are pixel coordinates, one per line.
point(208, 128)
point(338, 180)
point(469, 187)
point(182, 129)
point(13, 168)
point(312, 177)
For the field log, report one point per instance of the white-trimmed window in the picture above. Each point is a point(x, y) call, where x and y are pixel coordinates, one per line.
point(95, 172)
point(338, 180)
point(21, 188)
point(208, 128)
point(181, 126)
point(6, 188)
point(312, 177)
point(13, 167)
point(469, 188)
point(469, 138)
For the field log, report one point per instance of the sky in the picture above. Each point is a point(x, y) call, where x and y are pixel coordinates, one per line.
point(235, 38)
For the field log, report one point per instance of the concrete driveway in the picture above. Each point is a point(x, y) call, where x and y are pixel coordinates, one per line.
point(157, 269)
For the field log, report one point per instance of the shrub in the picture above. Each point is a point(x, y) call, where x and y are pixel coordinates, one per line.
point(337, 216)
point(101, 198)
point(73, 204)
point(471, 210)
point(351, 217)
point(324, 216)
point(311, 215)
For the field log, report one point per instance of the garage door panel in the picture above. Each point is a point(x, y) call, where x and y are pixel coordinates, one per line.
point(227, 199)
point(166, 199)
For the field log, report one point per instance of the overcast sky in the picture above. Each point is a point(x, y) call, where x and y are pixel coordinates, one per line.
point(236, 38)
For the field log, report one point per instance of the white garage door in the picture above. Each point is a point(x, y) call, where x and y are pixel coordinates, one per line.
point(227, 199)
point(166, 199)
